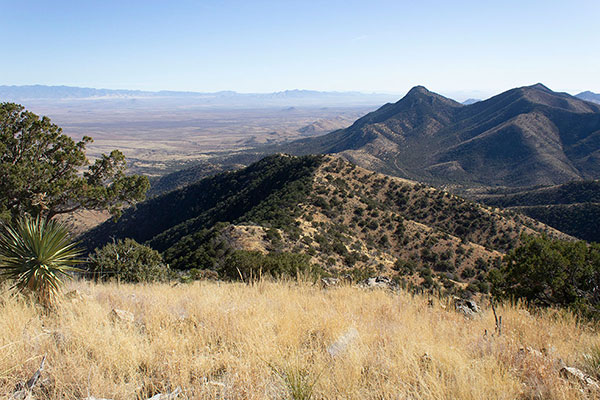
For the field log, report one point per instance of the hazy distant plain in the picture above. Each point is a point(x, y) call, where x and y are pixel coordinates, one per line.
point(158, 135)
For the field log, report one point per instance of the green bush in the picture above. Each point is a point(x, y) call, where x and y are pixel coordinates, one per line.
point(128, 261)
point(552, 272)
point(250, 265)
point(202, 274)
point(405, 267)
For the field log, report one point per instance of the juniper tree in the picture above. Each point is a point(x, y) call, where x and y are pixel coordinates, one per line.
point(44, 172)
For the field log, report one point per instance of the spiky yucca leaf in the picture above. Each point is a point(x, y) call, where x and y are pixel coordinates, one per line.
point(37, 254)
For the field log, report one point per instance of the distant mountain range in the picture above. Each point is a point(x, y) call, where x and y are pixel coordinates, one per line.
point(589, 96)
point(523, 137)
point(296, 97)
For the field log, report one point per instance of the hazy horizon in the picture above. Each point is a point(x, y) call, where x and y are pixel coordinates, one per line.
point(460, 96)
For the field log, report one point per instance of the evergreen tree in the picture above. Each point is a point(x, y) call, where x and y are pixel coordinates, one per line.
point(43, 171)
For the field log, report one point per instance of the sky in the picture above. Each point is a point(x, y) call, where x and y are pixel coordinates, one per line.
point(459, 48)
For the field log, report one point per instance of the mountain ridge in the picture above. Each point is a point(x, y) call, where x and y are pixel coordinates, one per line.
point(62, 92)
point(525, 136)
point(344, 218)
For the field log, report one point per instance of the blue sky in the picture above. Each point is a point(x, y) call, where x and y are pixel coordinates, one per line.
point(450, 47)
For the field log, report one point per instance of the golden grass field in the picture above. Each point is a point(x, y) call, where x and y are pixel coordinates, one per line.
point(275, 340)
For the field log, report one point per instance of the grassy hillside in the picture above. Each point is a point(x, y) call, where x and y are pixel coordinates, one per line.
point(270, 340)
point(346, 219)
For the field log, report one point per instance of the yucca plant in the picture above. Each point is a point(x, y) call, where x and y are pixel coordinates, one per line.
point(37, 255)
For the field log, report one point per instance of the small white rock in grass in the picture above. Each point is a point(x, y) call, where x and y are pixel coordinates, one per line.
point(168, 396)
point(380, 282)
point(329, 282)
point(581, 377)
point(342, 342)
point(122, 315)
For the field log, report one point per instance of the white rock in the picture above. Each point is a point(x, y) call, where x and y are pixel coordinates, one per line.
point(580, 376)
point(122, 315)
point(378, 282)
point(342, 342)
point(329, 282)
point(168, 396)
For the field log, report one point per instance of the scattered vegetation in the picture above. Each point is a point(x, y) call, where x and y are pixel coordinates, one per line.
point(579, 220)
point(265, 191)
point(344, 219)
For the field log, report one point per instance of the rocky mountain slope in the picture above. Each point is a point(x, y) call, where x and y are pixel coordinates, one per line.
point(525, 136)
point(347, 219)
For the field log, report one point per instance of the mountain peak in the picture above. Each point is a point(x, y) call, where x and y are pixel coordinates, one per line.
point(418, 90)
point(540, 86)
point(420, 93)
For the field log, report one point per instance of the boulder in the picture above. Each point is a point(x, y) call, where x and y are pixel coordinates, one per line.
point(466, 307)
point(378, 282)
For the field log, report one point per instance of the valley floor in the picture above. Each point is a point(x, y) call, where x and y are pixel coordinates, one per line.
point(275, 340)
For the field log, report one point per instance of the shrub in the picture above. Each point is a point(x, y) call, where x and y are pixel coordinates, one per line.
point(128, 261)
point(202, 274)
point(249, 265)
point(552, 272)
point(467, 273)
point(405, 266)
point(298, 381)
point(444, 266)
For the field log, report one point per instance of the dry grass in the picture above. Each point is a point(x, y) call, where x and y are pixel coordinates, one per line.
point(232, 341)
